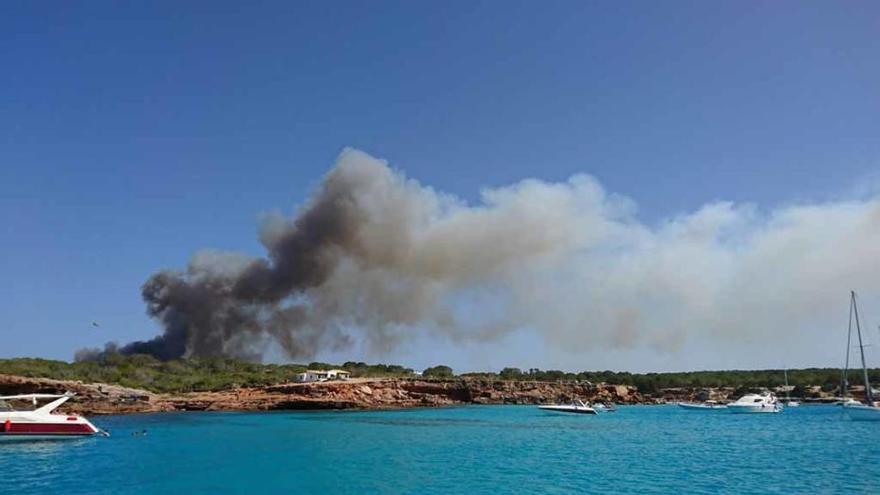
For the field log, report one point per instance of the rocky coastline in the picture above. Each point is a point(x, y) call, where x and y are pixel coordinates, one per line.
point(99, 398)
point(359, 394)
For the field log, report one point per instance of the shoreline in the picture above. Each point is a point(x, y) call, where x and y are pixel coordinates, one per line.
point(359, 394)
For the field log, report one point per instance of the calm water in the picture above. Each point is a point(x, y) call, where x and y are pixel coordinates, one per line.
point(477, 449)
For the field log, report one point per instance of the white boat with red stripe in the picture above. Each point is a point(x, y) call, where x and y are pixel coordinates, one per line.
point(40, 423)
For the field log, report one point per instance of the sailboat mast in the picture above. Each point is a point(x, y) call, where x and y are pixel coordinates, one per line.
point(785, 373)
point(844, 382)
point(868, 395)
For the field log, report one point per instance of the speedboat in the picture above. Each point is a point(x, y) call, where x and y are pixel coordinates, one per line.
point(40, 423)
point(709, 405)
point(849, 401)
point(576, 406)
point(755, 403)
point(791, 403)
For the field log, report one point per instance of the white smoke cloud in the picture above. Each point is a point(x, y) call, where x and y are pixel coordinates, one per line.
point(574, 264)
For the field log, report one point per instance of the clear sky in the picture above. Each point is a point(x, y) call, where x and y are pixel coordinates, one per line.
point(134, 134)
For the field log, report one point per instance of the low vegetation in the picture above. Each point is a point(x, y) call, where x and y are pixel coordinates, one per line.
point(440, 371)
point(183, 375)
point(827, 378)
point(199, 374)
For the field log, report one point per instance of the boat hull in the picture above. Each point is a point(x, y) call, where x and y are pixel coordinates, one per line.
point(568, 409)
point(862, 412)
point(25, 437)
point(26, 426)
point(754, 409)
point(701, 407)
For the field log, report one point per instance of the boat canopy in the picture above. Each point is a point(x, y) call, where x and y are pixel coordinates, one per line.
point(46, 409)
point(34, 396)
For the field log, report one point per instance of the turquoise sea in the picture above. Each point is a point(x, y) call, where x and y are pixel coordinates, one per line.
point(474, 449)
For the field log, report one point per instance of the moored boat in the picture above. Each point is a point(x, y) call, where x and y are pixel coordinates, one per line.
point(862, 412)
point(788, 401)
point(755, 403)
point(709, 405)
point(600, 407)
point(858, 411)
point(576, 406)
point(41, 423)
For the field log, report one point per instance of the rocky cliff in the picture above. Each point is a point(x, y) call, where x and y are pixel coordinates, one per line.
point(95, 398)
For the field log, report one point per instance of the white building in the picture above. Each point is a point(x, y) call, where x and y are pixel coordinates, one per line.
point(322, 375)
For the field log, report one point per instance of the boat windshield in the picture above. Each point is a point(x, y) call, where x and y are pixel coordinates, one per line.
point(4, 406)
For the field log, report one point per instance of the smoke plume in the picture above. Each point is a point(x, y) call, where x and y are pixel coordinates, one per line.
point(376, 258)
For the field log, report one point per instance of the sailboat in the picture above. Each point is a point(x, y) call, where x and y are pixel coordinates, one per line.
point(788, 402)
point(858, 411)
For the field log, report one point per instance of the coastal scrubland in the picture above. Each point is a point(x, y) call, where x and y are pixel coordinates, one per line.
point(210, 374)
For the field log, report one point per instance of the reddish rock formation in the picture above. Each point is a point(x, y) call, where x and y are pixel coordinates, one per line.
point(93, 398)
point(354, 394)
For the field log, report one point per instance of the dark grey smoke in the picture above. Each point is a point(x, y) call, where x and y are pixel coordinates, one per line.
point(206, 311)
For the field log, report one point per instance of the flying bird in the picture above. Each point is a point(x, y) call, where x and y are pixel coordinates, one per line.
point(95, 324)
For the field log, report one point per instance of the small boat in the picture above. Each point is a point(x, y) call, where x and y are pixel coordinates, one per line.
point(600, 407)
point(576, 406)
point(755, 403)
point(709, 405)
point(788, 402)
point(862, 412)
point(848, 402)
point(40, 423)
point(858, 411)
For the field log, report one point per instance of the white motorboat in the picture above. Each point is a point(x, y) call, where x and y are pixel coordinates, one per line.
point(600, 407)
point(848, 402)
point(791, 403)
point(755, 403)
point(40, 423)
point(709, 405)
point(576, 406)
point(857, 411)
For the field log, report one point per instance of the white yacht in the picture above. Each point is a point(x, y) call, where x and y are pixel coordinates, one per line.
point(39, 423)
point(576, 406)
point(756, 403)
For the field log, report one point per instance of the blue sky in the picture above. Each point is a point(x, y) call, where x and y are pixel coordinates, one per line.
point(134, 135)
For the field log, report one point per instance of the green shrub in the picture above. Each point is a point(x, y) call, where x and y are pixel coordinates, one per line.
point(439, 371)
